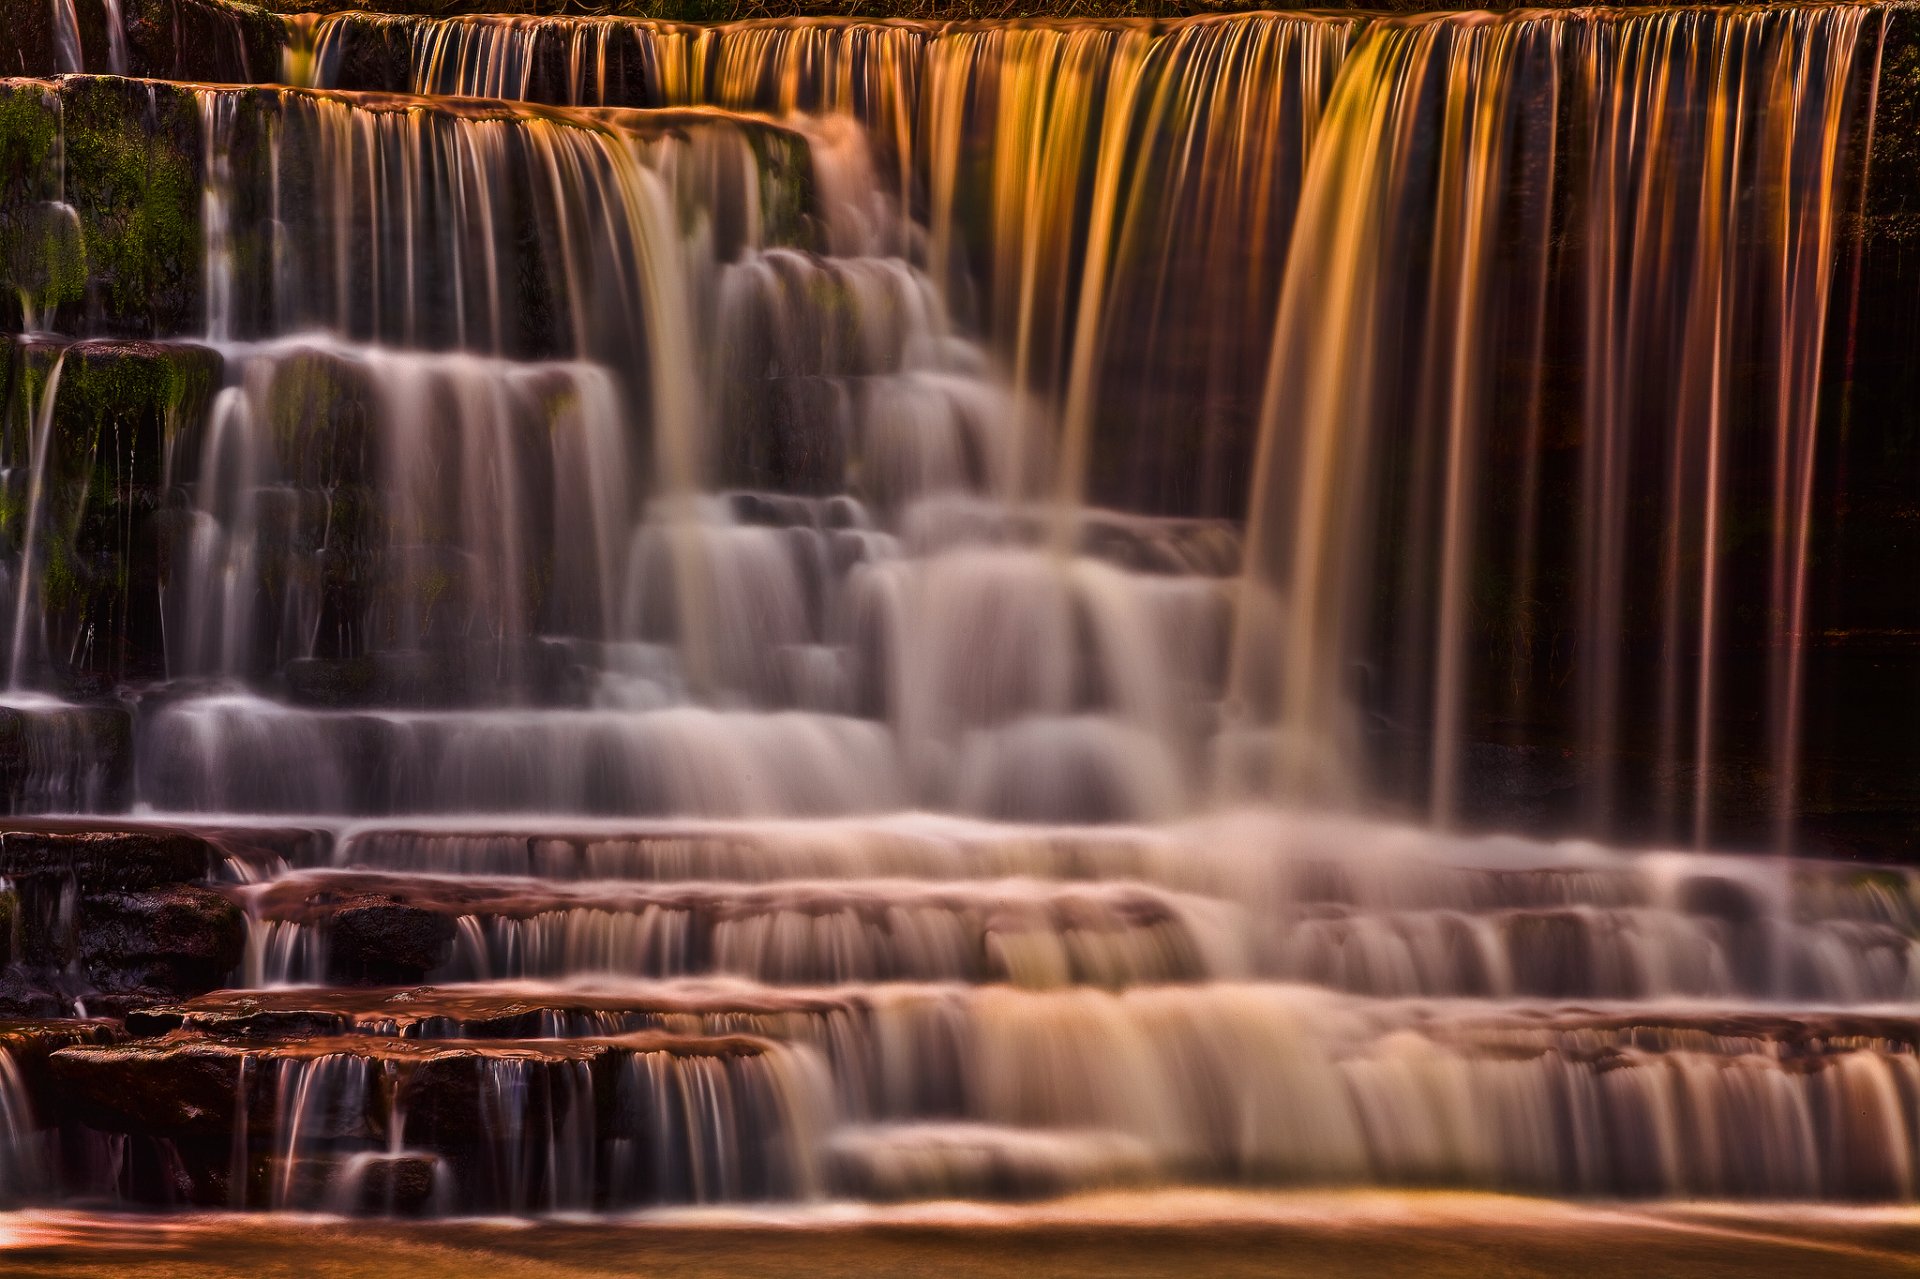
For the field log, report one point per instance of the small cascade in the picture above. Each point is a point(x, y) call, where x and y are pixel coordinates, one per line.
point(318, 1101)
point(285, 508)
point(521, 1127)
point(1027, 934)
point(69, 51)
point(720, 1127)
point(1085, 289)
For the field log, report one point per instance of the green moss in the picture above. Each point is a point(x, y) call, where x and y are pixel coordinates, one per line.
point(101, 201)
point(134, 183)
point(59, 584)
point(786, 185)
point(28, 131)
point(42, 249)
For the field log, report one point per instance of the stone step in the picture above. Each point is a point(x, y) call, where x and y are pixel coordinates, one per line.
point(518, 1010)
point(347, 926)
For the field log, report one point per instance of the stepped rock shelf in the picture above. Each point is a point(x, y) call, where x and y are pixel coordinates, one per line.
point(610, 611)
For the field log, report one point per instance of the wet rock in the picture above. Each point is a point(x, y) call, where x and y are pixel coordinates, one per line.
point(381, 941)
point(390, 1185)
point(790, 434)
point(332, 683)
point(250, 853)
point(1552, 956)
point(102, 533)
point(102, 860)
point(30, 1043)
point(1718, 897)
point(29, 44)
point(25, 992)
point(166, 1089)
point(176, 39)
point(450, 1097)
point(477, 1012)
point(171, 941)
point(131, 178)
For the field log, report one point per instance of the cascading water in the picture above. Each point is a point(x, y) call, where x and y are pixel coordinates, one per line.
point(1705, 245)
point(867, 607)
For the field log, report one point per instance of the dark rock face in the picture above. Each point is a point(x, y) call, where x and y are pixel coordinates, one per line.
point(122, 258)
point(200, 1108)
point(180, 939)
point(122, 1089)
point(206, 40)
point(65, 758)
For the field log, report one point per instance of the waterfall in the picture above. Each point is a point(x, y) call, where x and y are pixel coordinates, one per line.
point(1659, 193)
point(1083, 290)
point(817, 609)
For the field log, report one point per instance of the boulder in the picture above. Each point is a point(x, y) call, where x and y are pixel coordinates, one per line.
point(381, 941)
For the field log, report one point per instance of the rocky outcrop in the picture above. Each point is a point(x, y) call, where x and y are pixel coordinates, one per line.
point(472, 1011)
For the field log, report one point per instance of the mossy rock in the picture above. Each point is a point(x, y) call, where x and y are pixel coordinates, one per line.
point(118, 408)
point(108, 241)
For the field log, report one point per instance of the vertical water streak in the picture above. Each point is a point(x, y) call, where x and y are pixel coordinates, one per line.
point(217, 114)
point(67, 53)
point(320, 1102)
point(116, 37)
point(27, 605)
point(23, 1171)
